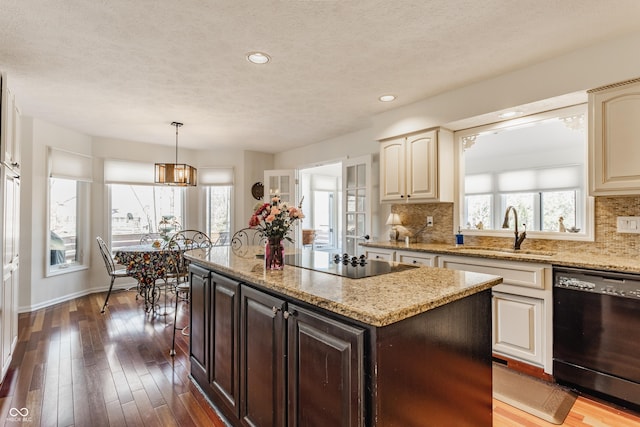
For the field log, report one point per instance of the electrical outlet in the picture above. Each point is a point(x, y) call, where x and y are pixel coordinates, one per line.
point(429, 221)
point(628, 224)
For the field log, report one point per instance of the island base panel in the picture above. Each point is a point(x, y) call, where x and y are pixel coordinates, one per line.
point(434, 369)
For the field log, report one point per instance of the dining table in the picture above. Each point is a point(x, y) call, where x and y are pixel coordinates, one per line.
point(148, 264)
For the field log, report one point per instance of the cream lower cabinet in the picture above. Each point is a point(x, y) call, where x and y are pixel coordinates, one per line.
point(417, 167)
point(613, 133)
point(521, 307)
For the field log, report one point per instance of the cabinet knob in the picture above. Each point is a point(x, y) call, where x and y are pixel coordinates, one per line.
point(402, 196)
point(408, 195)
point(286, 314)
point(275, 309)
point(415, 261)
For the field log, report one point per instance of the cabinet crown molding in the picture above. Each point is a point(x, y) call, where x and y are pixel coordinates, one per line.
point(614, 85)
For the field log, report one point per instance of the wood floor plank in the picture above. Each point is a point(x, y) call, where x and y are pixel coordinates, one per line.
point(75, 366)
point(145, 408)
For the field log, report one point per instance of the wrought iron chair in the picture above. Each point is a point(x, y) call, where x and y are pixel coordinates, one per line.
point(178, 270)
point(244, 239)
point(114, 273)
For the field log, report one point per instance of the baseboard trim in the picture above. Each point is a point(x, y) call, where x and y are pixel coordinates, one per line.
point(525, 368)
point(65, 298)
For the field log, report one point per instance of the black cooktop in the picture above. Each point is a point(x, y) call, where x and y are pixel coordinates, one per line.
point(339, 265)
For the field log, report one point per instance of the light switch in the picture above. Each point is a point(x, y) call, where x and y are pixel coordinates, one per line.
point(628, 224)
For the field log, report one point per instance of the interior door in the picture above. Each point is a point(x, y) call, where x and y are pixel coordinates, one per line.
point(356, 187)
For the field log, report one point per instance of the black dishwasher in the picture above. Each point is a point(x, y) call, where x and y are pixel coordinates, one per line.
point(596, 331)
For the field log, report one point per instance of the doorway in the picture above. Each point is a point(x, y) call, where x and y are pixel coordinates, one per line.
point(322, 205)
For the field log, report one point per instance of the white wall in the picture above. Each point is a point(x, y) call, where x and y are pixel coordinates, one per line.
point(36, 290)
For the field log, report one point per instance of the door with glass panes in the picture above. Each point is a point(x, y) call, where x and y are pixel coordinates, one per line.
point(356, 188)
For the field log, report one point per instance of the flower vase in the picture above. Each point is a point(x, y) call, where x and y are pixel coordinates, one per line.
point(274, 254)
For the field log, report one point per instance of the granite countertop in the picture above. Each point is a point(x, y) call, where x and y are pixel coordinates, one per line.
point(376, 301)
point(564, 259)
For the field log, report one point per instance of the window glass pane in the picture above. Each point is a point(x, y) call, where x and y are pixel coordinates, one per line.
point(63, 221)
point(479, 211)
point(351, 224)
point(137, 210)
point(361, 199)
point(351, 200)
point(556, 205)
point(219, 214)
point(351, 176)
point(524, 204)
point(362, 175)
point(284, 185)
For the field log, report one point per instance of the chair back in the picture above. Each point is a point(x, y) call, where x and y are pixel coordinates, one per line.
point(189, 239)
point(244, 239)
point(106, 256)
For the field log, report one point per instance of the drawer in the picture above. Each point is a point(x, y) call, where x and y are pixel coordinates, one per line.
point(417, 258)
point(513, 273)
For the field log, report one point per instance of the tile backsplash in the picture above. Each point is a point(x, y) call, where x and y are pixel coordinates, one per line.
point(607, 240)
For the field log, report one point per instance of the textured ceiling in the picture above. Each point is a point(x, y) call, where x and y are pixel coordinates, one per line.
point(127, 69)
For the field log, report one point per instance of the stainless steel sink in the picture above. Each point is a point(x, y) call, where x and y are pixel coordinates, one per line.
point(505, 251)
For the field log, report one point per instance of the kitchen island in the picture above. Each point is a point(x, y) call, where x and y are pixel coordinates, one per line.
point(302, 347)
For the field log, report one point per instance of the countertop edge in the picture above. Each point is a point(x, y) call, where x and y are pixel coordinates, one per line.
point(269, 281)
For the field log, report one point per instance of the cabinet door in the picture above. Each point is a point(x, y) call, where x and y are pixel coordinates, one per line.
point(517, 326)
point(326, 379)
point(199, 332)
point(392, 170)
point(262, 355)
point(224, 375)
point(422, 166)
point(613, 134)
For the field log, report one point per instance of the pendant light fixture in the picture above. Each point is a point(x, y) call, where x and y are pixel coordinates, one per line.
point(176, 173)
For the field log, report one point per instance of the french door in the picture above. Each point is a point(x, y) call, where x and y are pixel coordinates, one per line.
point(356, 187)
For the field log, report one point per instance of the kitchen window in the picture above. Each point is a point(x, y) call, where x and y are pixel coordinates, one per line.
point(217, 183)
point(536, 164)
point(69, 179)
point(218, 213)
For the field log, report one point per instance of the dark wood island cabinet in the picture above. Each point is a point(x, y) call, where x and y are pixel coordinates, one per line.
point(271, 356)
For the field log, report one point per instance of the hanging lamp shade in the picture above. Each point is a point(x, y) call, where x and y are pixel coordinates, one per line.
point(180, 174)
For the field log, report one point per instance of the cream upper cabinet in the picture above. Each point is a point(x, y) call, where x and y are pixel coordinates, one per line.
point(417, 167)
point(614, 129)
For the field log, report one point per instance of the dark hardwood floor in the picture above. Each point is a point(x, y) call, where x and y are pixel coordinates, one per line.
point(76, 367)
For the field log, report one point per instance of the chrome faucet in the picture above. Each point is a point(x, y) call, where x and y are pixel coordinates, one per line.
point(519, 237)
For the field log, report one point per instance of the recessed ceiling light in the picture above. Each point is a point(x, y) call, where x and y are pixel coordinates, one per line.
point(258, 57)
point(509, 114)
point(387, 98)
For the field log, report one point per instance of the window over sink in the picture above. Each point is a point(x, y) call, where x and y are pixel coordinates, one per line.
point(537, 164)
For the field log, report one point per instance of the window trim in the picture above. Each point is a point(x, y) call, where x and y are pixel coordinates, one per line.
point(588, 234)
